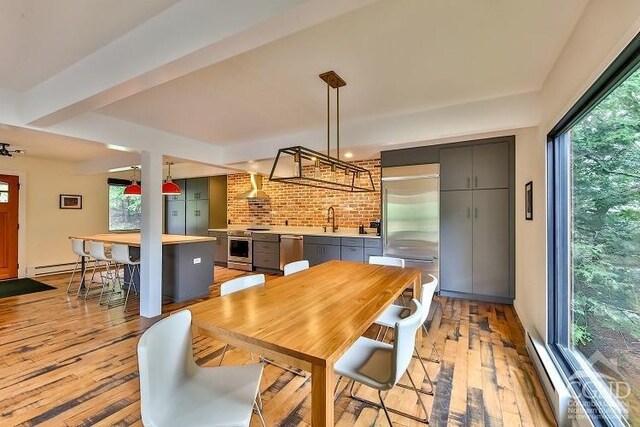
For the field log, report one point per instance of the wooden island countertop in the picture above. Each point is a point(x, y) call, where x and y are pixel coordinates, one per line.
point(133, 239)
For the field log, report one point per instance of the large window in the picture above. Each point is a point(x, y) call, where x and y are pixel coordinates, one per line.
point(124, 211)
point(594, 259)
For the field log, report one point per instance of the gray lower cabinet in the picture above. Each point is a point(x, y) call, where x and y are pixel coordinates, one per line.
point(175, 217)
point(491, 242)
point(352, 253)
point(456, 246)
point(372, 247)
point(221, 250)
point(197, 217)
point(266, 251)
point(319, 249)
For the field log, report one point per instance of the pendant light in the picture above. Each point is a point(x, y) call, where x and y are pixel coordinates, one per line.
point(134, 188)
point(170, 188)
point(342, 174)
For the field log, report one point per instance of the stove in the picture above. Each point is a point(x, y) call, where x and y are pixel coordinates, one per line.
point(240, 250)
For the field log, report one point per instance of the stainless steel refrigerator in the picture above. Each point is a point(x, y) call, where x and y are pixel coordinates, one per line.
point(411, 216)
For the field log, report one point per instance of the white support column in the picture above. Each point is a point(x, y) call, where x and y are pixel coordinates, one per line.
point(151, 238)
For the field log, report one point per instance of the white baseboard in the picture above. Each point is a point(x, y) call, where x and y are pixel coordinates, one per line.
point(47, 270)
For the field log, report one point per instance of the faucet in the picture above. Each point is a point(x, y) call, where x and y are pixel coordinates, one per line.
point(331, 216)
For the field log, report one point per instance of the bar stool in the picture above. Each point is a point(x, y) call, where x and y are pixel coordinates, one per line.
point(97, 252)
point(77, 246)
point(120, 255)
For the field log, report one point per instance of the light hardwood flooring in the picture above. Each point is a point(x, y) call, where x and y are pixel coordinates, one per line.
point(67, 361)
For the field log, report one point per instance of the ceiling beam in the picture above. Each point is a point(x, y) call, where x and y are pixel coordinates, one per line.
point(186, 37)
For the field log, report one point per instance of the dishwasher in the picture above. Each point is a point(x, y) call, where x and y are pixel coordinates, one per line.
point(290, 249)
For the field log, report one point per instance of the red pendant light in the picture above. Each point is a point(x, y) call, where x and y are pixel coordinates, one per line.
point(170, 188)
point(134, 188)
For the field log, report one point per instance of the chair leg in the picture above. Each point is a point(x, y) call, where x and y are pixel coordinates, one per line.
point(259, 412)
point(224, 351)
point(395, 411)
point(75, 267)
point(426, 374)
point(424, 408)
point(286, 368)
point(433, 346)
point(96, 264)
point(384, 407)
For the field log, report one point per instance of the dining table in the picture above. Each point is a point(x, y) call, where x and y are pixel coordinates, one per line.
point(308, 319)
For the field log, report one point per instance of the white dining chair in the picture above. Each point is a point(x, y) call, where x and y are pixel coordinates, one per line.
point(380, 365)
point(77, 246)
point(174, 391)
point(120, 255)
point(239, 284)
point(394, 313)
point(296, 266)
point(386, 260)
point(98, 253)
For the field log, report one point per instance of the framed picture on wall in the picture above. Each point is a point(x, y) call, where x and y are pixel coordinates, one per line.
point(70, 201)
point(528, 201)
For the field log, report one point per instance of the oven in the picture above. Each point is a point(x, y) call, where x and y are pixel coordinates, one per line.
point(240, 255)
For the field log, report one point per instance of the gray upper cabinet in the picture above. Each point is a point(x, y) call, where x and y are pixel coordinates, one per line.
point(197, 189)
point(181, 196)
point(175, 217)
point(491, 242)
point(456, 168)
point(456, 233)
point(490, 166)
point(197, 217)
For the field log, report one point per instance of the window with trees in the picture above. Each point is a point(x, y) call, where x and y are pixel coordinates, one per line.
point(594, 235)
point(125, 212)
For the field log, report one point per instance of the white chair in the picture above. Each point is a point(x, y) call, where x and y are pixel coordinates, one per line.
point(386, 260)
point(77, 246)
point(296, 266)
point(395, 313)
point(239, 284)
point(120, 255)
point(174, 391)
point(380, 365)
point(97, 252)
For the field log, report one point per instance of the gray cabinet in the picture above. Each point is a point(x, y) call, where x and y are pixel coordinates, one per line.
point(266, 251)
point(197, 189)
point(491, 242)
point(456, 246)
point(352, 253)
point(175, 217)
point(491, 166)
point(456, 168)
point(372, 247)
point(197, 217)
point(182, 184)
point(221, 250)
point(321, 249)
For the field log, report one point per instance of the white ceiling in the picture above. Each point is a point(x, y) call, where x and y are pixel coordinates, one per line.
point(52, 146)
point(397, 56)
point(41, 38)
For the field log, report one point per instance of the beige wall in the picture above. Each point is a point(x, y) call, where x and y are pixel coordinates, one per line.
point(604, 29)
point(46, 226)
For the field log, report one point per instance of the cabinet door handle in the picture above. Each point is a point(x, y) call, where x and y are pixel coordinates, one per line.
point(475, 181)
point(196, 195)
point(468, 212)
point(174, 213)
point(468, 182)
point(475, 213)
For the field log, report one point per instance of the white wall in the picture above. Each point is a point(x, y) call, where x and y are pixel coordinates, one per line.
point(47, 227)
point(604, 29)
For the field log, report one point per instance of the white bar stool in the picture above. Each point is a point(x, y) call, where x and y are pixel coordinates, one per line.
point(77, 246)
point(120, 255)
point(97, 252)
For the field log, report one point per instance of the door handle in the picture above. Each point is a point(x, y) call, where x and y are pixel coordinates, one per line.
point(174, 213)
point(468, 182)
point(468, 212)
point(475, 181)
point(475, 213)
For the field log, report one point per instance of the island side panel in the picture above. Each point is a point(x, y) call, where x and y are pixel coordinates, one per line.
point(187, 270)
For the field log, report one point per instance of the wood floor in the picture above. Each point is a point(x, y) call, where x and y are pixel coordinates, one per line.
point(65, 361)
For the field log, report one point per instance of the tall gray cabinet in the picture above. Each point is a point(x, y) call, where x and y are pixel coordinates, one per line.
point(188, 213)
point(476, 221)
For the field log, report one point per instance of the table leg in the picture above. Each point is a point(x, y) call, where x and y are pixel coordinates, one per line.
point(322, 383)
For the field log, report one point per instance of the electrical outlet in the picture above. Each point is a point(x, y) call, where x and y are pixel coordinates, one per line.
point(197, 260)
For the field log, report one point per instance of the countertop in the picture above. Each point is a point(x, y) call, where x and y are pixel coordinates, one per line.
point(133, 239)
point(305, 231)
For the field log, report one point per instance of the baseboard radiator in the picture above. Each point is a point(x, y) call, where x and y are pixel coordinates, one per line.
point(554, 386)
point(47, 270)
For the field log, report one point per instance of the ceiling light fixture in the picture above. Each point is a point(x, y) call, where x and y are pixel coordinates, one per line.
point(170, 188)
point(356, 179)
point(134, 188)
point(4, 151)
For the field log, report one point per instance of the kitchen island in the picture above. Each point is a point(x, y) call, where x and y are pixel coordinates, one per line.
point(187, 262)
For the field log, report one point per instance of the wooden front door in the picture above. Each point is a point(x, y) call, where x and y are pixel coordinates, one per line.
point(8, 226)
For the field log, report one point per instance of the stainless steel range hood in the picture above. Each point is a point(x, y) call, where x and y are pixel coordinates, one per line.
point(256, 192)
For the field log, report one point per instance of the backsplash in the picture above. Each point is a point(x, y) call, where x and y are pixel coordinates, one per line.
point(303, 206)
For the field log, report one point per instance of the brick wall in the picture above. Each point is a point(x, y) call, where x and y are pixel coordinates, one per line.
point(303, 206)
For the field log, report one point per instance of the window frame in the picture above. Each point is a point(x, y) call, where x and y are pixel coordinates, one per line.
point(558, 238)
point(116, 182)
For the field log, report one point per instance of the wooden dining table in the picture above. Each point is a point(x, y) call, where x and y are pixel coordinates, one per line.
point(308, 319)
